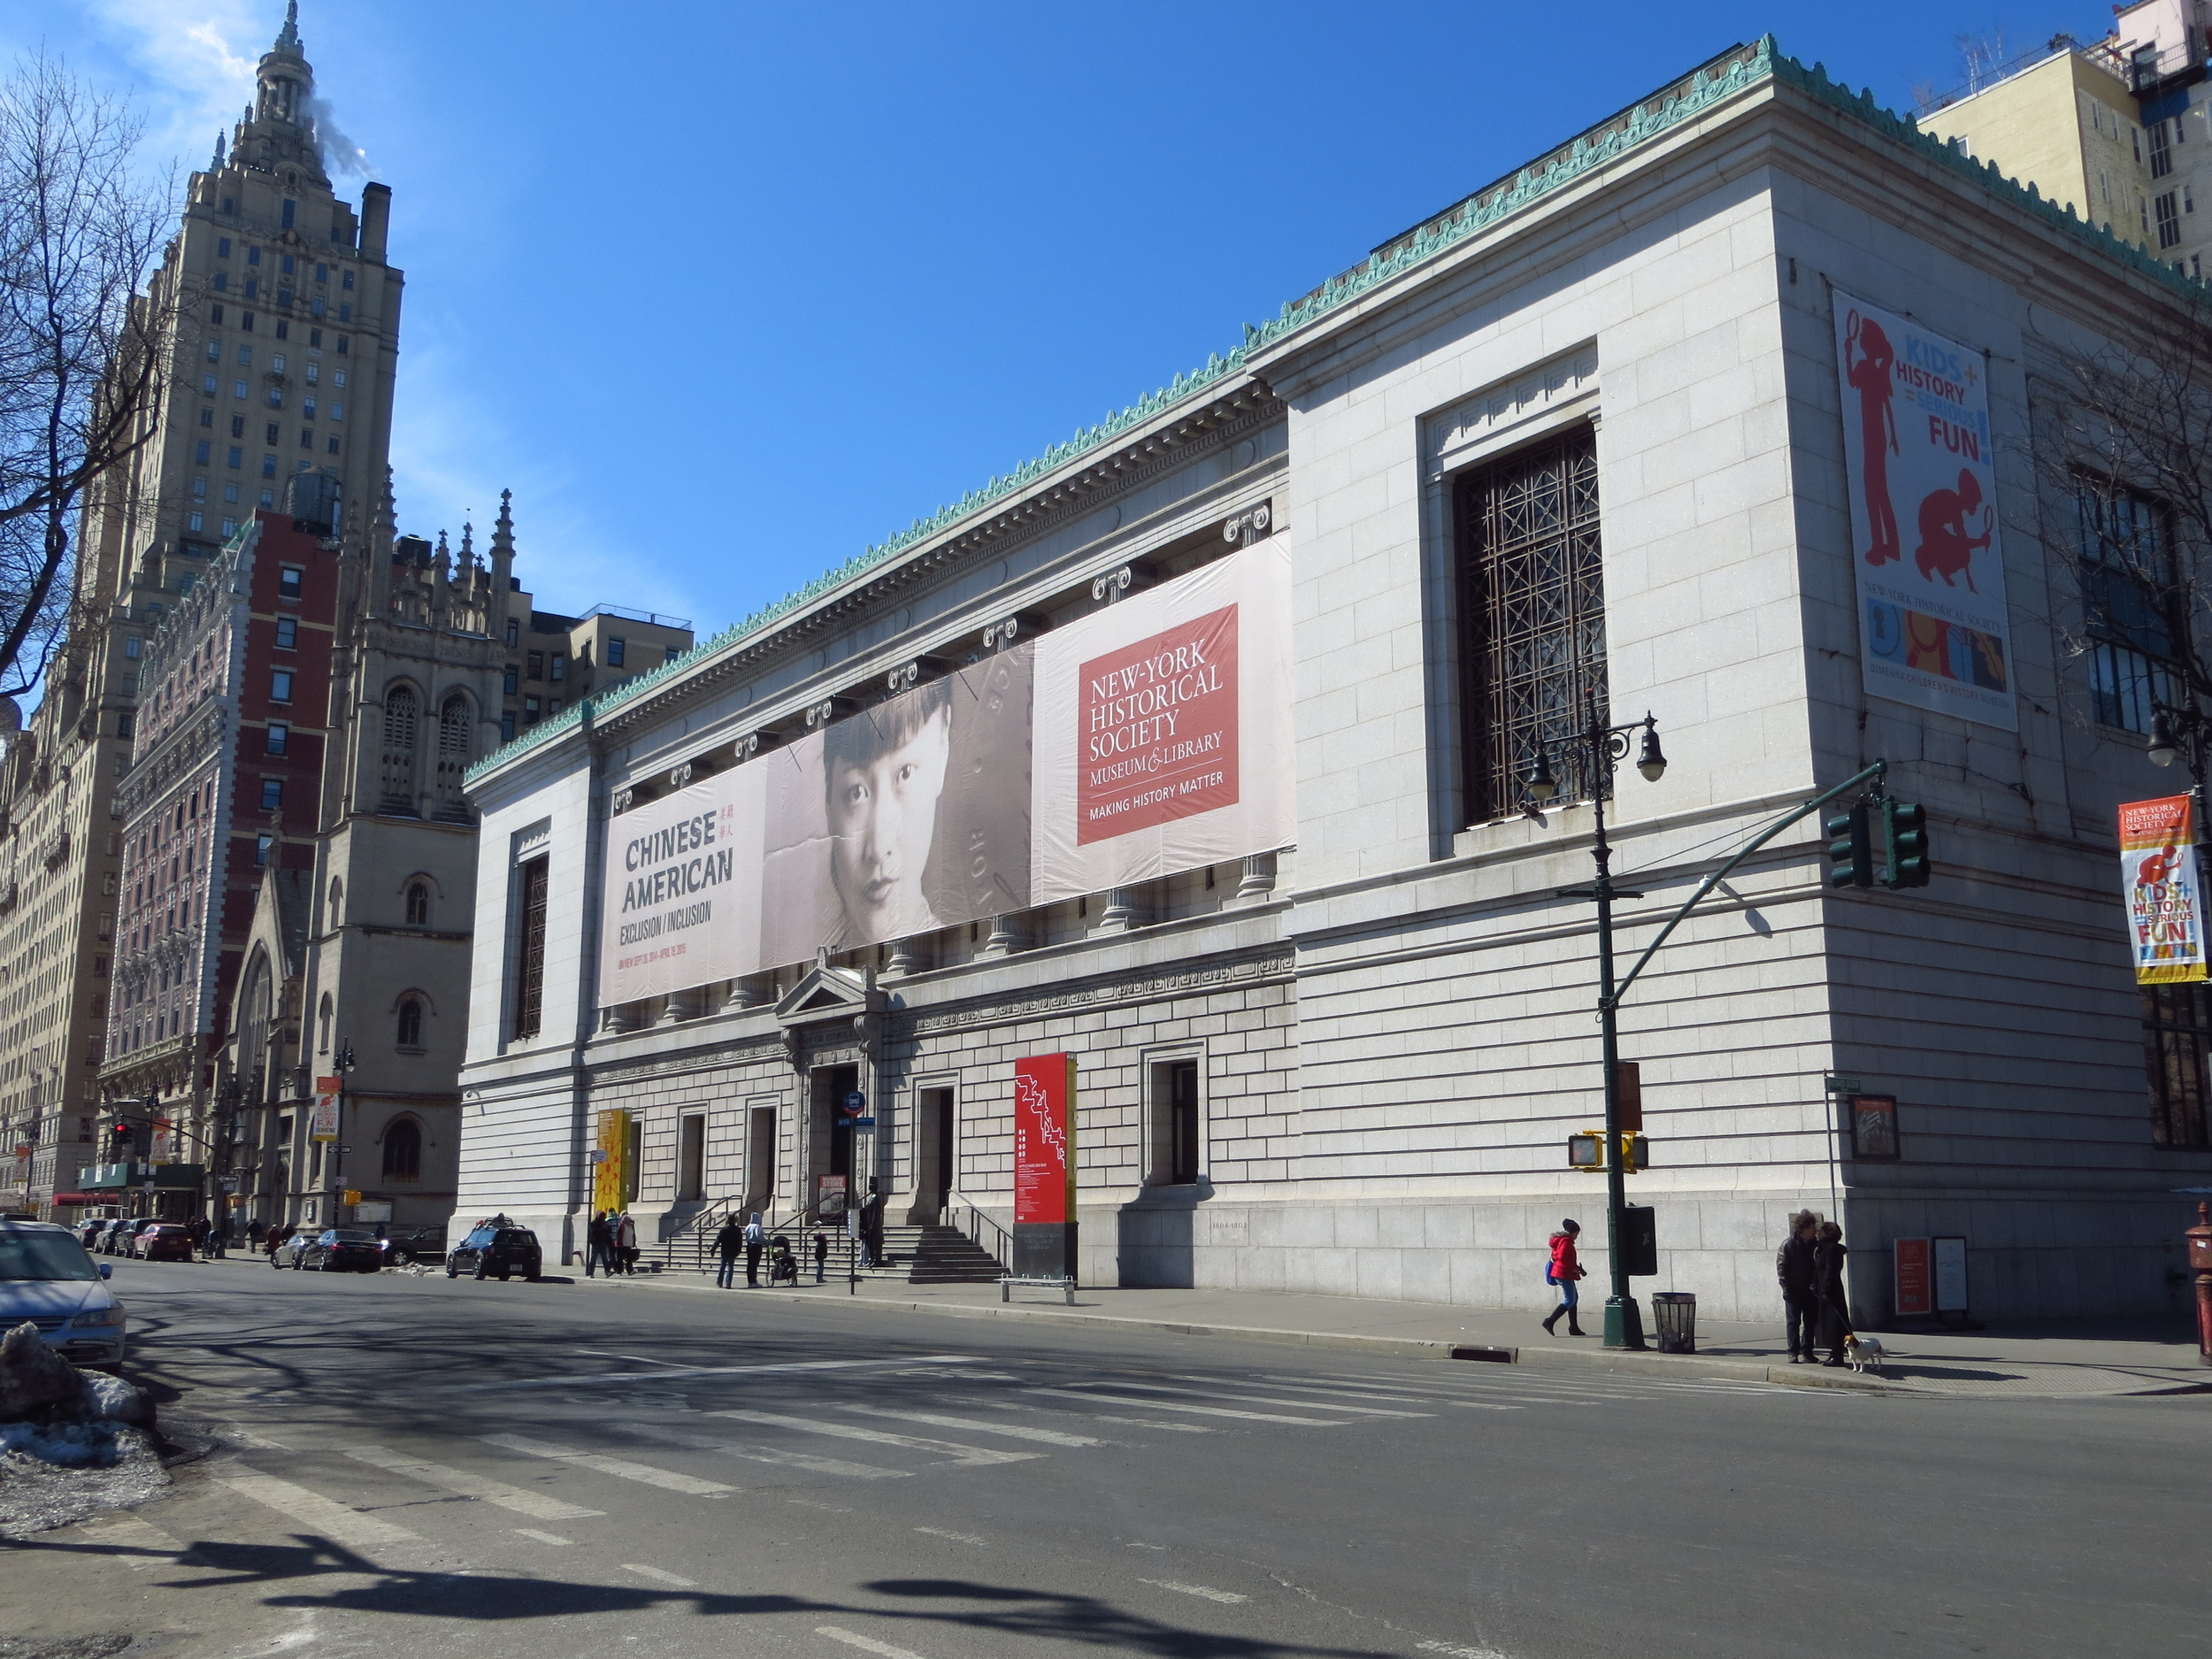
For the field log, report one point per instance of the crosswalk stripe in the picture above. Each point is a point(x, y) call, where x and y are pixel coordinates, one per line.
point(151, 1546)
point(620, 1467)
point(521, 1499)
point(1228, 1596)
point(866, 1644)
point(726, 1371)
point(347, 1526)
point(542, 1538)
point(959, 1452)
point(1334, 1390)
point(1050, 1437)
point(1265, 1400)
point(644, 1571)
point(1177, 1405)
point(770, 1454)
point(1108, 1416)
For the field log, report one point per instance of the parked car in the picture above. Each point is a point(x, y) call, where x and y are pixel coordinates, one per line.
point(89, 1231)
point(104, 1241)
point(415, 1244)
point(294, 1245)
point(496, 1253)
point(164, 1241)
point(343, 1250)
point(120, 1239)
point(48, 1280)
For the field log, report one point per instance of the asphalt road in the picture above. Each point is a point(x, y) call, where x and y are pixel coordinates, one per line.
point(417, 1465)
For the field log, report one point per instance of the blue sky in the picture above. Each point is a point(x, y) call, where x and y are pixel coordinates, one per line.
point(726, 292)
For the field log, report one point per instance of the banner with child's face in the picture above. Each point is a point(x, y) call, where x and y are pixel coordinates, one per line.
point(1150, 737)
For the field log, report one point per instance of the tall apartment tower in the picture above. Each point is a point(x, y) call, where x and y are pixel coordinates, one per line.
point(278, 362)
point(2120, 131)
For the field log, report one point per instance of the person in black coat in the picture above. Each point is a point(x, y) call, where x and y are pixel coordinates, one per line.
point(1835, 1311)
point(727, 1242)
point(1793, 1267)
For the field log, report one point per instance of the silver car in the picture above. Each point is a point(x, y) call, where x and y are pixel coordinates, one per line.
point(47, 1278)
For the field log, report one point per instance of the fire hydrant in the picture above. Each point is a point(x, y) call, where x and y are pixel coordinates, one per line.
point(2199, 1239)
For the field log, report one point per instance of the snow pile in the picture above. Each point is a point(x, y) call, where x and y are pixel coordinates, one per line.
point(71, 1442)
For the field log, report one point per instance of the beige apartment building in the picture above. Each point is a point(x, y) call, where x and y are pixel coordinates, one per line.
point(2117, 131)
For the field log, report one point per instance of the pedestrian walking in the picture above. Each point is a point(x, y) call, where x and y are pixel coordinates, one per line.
point(1801, 1303)
point(1562, 1270)
point(754, 1238)
point(599, 1244)
point(218, 1239)
point(821, 1254)
point(1835, 1309)
point(253, 1229)
point(626, 1244)
point(196, 1233)
point(726, 1246)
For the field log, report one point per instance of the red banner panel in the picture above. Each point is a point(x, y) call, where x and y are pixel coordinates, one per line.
point(1159, 729)
point(1044, 1139)
point(1916, 1281)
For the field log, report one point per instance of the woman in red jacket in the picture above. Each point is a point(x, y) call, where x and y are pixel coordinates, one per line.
point(1563, 1271)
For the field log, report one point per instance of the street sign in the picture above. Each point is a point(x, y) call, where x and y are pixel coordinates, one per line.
point(1835, 1084)
point(863, 1123)
point(854, 1103)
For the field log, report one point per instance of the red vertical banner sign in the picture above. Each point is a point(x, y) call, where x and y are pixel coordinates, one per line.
point(1915, 1281)
point(1044, 1166)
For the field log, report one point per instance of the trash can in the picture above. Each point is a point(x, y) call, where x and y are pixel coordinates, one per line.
point(1674, 1315)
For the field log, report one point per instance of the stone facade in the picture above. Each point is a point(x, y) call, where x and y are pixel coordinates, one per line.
point(1392, 1025)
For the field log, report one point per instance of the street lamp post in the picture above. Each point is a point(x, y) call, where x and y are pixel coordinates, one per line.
point(342, 1062)
point(1603, 749)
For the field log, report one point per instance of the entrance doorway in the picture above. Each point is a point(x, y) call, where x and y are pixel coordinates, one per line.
point(833, 1147)
point(760, 1158)
point(935, 1146)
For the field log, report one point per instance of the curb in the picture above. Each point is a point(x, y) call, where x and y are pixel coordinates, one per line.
point(1680, 1366)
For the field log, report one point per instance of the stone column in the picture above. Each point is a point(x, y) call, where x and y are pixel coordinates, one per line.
point(910, 954)
point(1124, 909)
point(750, 990)
point(1258, 885)
point(1007, 935)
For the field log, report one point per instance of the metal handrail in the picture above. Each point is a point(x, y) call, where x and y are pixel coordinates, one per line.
point(999, 1246)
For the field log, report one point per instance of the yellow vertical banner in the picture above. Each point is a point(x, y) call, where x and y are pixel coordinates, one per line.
point(610, 1161)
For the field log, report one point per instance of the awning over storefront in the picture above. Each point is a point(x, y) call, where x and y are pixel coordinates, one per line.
point(114, 1177)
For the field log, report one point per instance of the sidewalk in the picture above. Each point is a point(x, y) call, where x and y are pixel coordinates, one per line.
point(2075, 1357)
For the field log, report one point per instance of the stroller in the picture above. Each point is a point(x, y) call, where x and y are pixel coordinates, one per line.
point(783, 1267)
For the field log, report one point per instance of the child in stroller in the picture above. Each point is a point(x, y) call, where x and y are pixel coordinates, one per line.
point(783, 1267)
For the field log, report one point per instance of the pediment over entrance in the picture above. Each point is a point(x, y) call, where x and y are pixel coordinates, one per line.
point(825, 994)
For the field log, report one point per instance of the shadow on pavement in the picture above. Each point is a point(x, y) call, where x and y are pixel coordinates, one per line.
point(1036, 1615)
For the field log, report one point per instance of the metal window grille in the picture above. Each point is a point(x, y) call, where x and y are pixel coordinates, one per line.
point(2128, 584)
point(530, 966)
point(1533, 594)
point(2177, 1039)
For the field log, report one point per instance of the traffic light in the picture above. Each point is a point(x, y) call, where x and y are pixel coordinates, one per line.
point(1905, 829)
point(1850, 850)
point(120, 1136)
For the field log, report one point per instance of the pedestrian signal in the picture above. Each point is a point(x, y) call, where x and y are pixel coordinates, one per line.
point(1586, 1150)
point(1635, 1154)
point(1905, 830)
point(1850, 850)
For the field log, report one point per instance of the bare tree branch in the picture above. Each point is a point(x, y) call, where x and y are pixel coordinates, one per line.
point(81, 371)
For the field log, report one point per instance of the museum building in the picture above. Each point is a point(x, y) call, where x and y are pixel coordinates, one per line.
point(1200, 748)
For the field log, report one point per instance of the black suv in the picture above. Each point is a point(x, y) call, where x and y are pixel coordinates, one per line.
point(495, 1252)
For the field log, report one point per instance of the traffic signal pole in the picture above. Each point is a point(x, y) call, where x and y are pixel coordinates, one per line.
point(1871, 774)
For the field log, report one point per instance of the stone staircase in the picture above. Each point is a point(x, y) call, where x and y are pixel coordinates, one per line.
point(934, 1256)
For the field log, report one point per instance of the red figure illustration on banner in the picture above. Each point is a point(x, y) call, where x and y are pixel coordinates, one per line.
point(1927, 644)
point(1945, 549)
point(1871, 359)
point(2158, 869)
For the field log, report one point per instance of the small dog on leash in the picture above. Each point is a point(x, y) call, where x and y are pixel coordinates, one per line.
point(1865, 1354)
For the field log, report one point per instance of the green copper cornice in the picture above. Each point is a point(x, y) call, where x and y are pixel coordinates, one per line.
point(1732, 73)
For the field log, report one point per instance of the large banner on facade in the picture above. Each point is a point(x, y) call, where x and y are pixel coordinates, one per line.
point(1934, 630)
point(2158, 867)
point(1150, 737)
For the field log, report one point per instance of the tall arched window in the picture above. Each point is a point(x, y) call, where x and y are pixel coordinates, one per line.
point(322, 1041)
point(398, 770)
point(410, 1022)
point(455, 720)
point(402, 1151)
point(337, 903)
point(418, 905)
point(253, 1030)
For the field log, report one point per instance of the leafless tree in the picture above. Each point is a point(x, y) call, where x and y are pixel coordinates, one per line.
point(80, 376)
point(2127, 453)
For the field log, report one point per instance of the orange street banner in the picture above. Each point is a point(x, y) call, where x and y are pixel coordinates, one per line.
point(324, 1126)
point(2158, 867)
